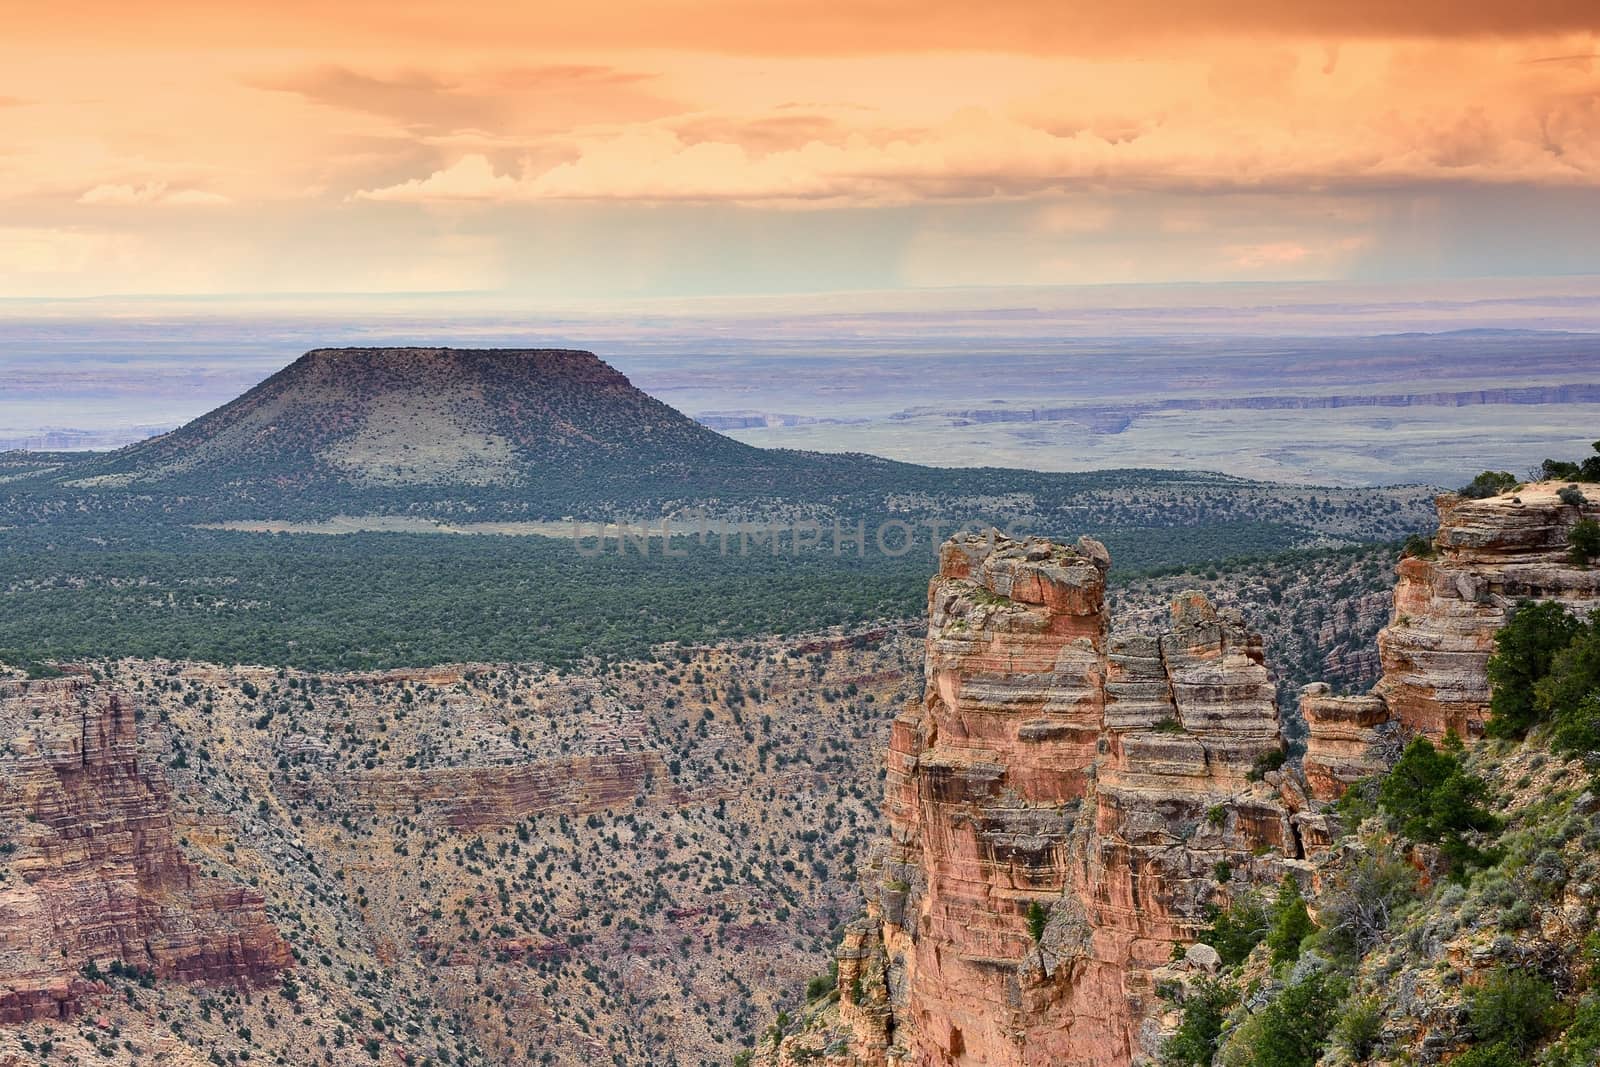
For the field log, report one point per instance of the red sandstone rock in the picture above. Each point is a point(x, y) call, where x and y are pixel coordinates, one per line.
point(1341, 733)
point(1045, 768)
point(1492, 554)
point(97, 873)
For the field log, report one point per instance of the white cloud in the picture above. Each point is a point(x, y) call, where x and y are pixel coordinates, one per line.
point(471, 177)
point(1386, 113)
point(150, 193)
point(194, 196)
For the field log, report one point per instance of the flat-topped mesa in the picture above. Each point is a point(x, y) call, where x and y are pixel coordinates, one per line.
point(1023, 901)
point(96, 874)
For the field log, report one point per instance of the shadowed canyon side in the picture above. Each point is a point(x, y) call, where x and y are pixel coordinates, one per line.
point(1487, 556)
point(1052, 805)
point(101, 880)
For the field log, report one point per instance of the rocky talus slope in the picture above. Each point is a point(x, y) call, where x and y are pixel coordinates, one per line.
point(1059, 805)
point(1487, 556)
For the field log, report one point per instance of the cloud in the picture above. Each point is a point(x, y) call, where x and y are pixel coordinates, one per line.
point(27, 251)
point(150, 193)
point(527, 99)
point(761, 134)
point(1274, 255)
point(790, 27)
point(980, 153)
point(469, 178)
point(194, 196)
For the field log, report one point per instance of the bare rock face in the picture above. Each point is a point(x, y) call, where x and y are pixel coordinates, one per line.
point(1060, 808)
point(986, 774)
point(1491, 554)
point(95, 874)
point(1341, 733)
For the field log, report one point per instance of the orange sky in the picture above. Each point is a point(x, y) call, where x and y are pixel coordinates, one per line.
point(688, 147)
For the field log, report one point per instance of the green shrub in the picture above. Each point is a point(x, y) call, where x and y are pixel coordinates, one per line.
point(1269, 761)
point(1513, 1009)
point(1236, 930)
point(1572, 681)
point(823, 984)
point(1293, 1029)
point(1496, 1055)
point(1357, 907)
point(1205, 1008)
point(1433, 800)
point(1037, 917)
point(1584, 539)
point(1358, 802)
point(1418, 547)
point(1290, 922)
point(1525, 649)
point(1489, 483)
point(1359, 1027)
point(1580, 1045)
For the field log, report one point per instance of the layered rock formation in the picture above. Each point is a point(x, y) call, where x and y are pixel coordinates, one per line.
point(93, 873)
point(1341, 732)
point(1491, 554)
point(483, 864)
point(1059, 806)
point(1488, 556)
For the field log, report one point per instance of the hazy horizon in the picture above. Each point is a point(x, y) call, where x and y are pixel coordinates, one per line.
point(1050, 378)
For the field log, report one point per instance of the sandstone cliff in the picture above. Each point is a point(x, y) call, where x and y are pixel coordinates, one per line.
point(1487, 556)
point(95, 876)
point(1061, 807)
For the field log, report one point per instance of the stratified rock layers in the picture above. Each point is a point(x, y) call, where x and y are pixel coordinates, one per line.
point(1491, 554)
point(1488, 556)
point(99, 877)
point(1058, 808)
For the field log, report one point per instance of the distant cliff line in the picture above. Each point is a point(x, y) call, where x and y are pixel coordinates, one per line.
point(1113, 418)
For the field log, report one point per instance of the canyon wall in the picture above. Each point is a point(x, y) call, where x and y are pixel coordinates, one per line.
point(1488, 556)
point(94, 872)
point(1061, 807)
point(1064, 806)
